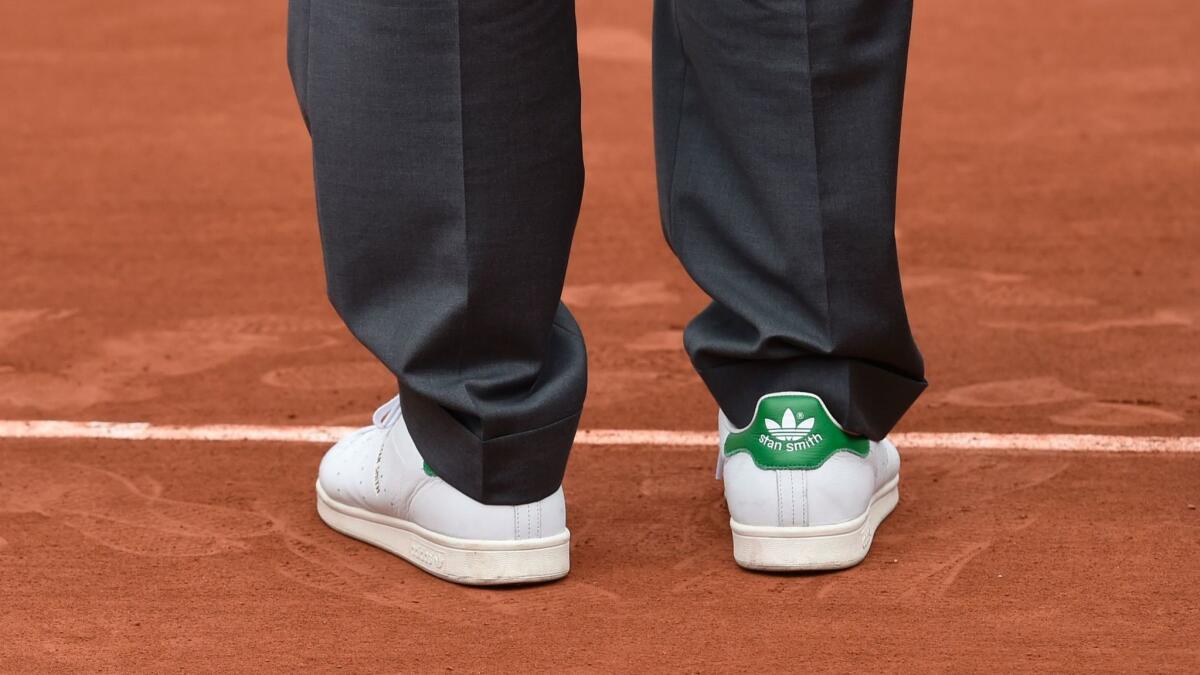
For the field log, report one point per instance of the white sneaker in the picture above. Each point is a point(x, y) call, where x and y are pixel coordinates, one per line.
point(802, 493)
point(374, 486)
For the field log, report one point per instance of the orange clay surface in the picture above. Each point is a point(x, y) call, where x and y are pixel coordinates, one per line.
point(159, 261)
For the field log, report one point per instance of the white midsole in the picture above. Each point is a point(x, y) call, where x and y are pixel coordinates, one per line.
point(817, 547)
point(468, 561)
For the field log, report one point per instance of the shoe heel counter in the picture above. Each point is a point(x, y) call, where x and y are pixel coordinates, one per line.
point(544, 518)
point(790, 430)
point(840, 490)
point(754, 496)
point(438, 506)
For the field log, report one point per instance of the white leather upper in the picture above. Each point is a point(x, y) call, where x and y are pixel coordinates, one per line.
point(839, 490)
point(379, 469)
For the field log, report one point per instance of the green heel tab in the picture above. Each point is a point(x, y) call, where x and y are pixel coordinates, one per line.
point(793, 430)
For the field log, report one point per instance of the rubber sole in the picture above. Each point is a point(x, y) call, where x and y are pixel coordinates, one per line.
point(821, 547)
point(473, 562)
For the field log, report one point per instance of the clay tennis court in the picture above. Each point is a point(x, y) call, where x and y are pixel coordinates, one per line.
point(159, 263)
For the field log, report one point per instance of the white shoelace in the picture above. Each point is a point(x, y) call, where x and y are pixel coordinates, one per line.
point(388, 414)
point(384, 418)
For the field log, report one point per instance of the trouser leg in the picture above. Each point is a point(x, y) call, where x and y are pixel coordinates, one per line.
point(448, 170)
point(777, 127)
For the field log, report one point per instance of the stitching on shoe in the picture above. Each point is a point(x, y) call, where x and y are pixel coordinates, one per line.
point(804, 496)
point(778, 500)
point(792, 482)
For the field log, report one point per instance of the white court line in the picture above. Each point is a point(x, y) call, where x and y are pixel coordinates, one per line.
point(142, 431)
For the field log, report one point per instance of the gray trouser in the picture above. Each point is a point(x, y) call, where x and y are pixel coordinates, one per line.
point(448, 167)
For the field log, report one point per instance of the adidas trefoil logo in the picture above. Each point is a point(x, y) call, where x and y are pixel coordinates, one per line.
point(788, 429)
point(790, 434)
